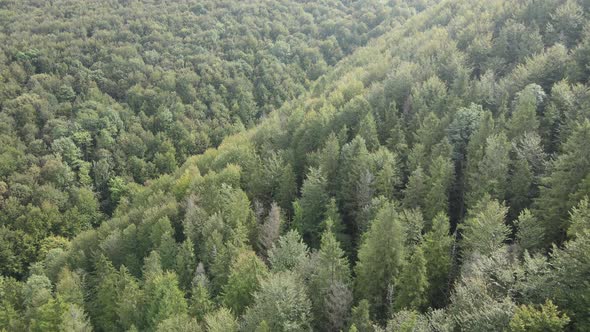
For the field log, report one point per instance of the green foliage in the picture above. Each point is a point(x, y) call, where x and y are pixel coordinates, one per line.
point(380, 259)
point(412, 283)
point(244, 280)
point(546, 318)
point(221, 320)
point(437, 246)
point(164, 132)
point(282, 302)
point(484, 230)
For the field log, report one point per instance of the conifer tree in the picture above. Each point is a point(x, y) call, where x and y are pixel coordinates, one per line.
point(567, 174)
point(368, 131)
point(282, 302)
point(270, 230)
point(437, 246)
point(221, 320)
point(380, 258)
point(163, 299)
point(530, 232)
point(313, 201)
point(412, 283)
point(185, 264)
point(484, 230)
point(330, 283)
point(244, 280)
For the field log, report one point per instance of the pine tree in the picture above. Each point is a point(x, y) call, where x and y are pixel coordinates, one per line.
point(282, 302)
point(530, 233)
point(439, 186)
point(270, 230)
point(387, 176)
point(579, 218)
point(355, 167)
point(185, 264)
point(168, 251)
point(200, 300)
point(244, 279)
point(129, 300)
point(361, 317)
point(288, 253)
point(330, 283)
point(380, 258)
point(103, 307)
point(524, 117)
point(368, 131)
point(546, 318)
point(221, 320)
point(412, 284)
point(329, 162)
point(313, 201)
point(69, 287)
point(163, 298)
point(74, 319)
point(492, 171)
point(567, 174)
point(437, 246)
point(484, 230)
point(416, 190)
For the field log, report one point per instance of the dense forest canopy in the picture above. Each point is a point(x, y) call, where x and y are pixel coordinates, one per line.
point(295, 165)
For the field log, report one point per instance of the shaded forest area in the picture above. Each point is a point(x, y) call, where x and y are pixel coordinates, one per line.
point(295, 166)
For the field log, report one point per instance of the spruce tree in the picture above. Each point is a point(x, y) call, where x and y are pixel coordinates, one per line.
point(412, 283)
point(380, 258)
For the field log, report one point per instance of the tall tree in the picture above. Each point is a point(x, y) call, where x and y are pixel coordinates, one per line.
point(330, 283)
point(437, 246)
point(380, 258)
point(564, 183)
point(412, 283)
point(244, 280)
point(282, 302)
point(484, 230)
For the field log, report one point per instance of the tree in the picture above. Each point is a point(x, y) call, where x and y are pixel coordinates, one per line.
point(368, 131)
point(163, 298)
point(437, 246)
point(270, 230)
point(221, 320)
point(185, 264)
point(313, 201)
point(567, 286)
point(567, 175)
point(546, 318)
point(289, 252)
point(361, 317)
point(484, 230)
point(439, 186)
point(330, 283)
point(530, 233)
point(244, 280)
point(74, 319)
point(179, 323)
point(103, 308)
point(355, 167)
point(416, 190)
point(412, 284)
point(524, 117)
point(579, 218)
point(492, 171)
point(200, 301)
point(380, 258)
point(282, 302)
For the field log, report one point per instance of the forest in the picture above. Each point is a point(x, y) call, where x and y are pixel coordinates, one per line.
point(295, 165)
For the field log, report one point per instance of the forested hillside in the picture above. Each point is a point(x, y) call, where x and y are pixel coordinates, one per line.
point(436, 179)
point(98, 94)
